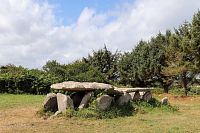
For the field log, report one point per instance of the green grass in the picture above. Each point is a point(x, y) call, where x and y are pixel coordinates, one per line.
point(131, 109)
point(92, 112)
point(193, 90)
point(150, 119)
point(21, 100)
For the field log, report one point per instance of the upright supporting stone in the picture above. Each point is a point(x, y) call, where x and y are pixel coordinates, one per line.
point(64, 102)
point(104, 102)
point(135, 96)
point(124, 99)
point(164, 101)
point(142, 94)
point(147, 96)
point(85, 100)
point(77, 98)
point(50, 102)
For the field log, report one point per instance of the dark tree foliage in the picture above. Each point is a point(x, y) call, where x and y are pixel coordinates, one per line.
point(15, 79)
point(142, 66)
point(105, 62)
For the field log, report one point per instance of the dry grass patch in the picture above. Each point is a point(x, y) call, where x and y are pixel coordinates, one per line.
point(22, 119)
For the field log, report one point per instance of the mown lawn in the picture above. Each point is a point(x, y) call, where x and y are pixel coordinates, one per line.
point(18, 114)
point(8, 101)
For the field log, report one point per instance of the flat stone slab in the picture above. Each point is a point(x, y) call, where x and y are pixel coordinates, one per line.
point(81, 86)
point(129, 90)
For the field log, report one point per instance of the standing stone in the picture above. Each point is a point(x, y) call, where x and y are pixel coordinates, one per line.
point(164, 100)
point(147, 96)
point(77, 98)
point(104, 102)
point(135, 96)
point(50, 102)
point(64, 102)
point(85, 100)
point(141, 95)
point(124, 99)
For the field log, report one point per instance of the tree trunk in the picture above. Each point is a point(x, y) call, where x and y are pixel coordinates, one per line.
point(184, 82)
point(166, 89)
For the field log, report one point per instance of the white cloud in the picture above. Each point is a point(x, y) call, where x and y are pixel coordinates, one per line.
point(30, 34)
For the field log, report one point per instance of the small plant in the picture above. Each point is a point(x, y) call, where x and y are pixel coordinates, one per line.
point(93, 112)
point(144, 107)
point(69, 112)
point(42, 113)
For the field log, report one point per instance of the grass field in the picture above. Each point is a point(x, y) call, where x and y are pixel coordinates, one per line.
point(18, 115)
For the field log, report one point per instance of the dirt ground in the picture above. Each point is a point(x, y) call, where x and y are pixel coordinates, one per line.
point(24, 119)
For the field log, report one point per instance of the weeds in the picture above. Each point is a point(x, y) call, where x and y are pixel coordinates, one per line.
point(115, 111)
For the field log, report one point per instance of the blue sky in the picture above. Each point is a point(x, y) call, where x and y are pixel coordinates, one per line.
point(35, 31)
point(69, 10)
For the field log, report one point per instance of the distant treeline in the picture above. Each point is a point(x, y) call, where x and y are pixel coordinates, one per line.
point(165, 60)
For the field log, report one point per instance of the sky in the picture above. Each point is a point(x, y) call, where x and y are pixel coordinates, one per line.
point(35, 31)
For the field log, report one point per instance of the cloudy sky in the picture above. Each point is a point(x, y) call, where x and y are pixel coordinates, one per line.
point(35, 31)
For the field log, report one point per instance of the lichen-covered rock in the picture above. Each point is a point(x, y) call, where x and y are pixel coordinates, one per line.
point(85, 100)
point(164, 101)
point(50, 102)
point(104, 102)
point(81, 86)
point(147, 96)
point(124, 99)
point(64, 102)
point(135, 96)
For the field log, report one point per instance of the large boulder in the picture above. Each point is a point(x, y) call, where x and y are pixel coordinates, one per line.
point(104, 102)
point(85, 100)
point(124, 99)
point(164, 101)
point(135, 96)
point(50, 102)
point(147, 96)
point(64, 102)
point(77, 98)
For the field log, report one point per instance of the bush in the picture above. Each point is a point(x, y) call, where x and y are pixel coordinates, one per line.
point(25, 81)
point(144, 107)
point(92, 112)
point(191, 91)
point(121, 111)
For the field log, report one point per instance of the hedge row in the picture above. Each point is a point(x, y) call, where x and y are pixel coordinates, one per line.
point(25, 83)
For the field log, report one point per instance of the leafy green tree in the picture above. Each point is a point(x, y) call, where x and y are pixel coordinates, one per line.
point(105, 62)
point(83, 71)
point(55, 69)
point(142, 66)
point(195, 39)
point(179, 58)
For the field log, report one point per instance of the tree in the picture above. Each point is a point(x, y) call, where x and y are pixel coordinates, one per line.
point(105, 62)
point(55, 69)
point(195, 39)
point(179, 58)
point(142, 66)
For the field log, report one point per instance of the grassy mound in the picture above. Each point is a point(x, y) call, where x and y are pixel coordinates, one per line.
point(93, 112)
point(132, 108)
